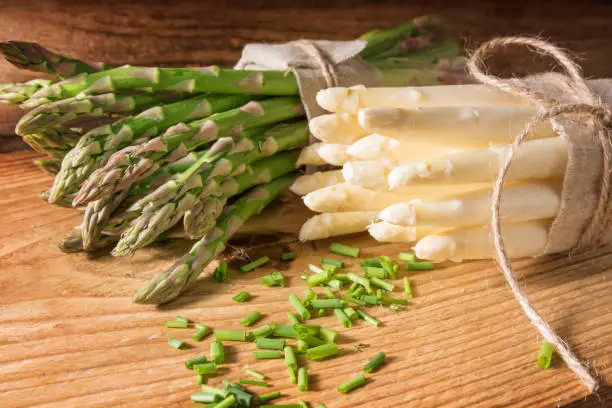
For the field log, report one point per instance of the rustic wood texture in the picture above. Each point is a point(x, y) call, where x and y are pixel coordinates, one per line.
point(69, 335)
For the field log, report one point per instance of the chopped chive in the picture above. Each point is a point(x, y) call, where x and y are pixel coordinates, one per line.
point(255, 264)
point(333, 262)
point(321, 312)
point(359, 291)
point(176, 343)
point(352, 384)
point(253, 382)
point(251, 319)
point(323, 351)
point(230, 335)
point(270, 344)
point(202, 379)
point(375, 363)
point(220, 272)
point(388, 286)
point(354, 285)
point(182, 319)
point(330, 268)
point(267, 354)
point(371, 262)
point(370, 300)
point(286, 331)
point(302, 346)
point(313, 341)
point(315, 269)
point(317, 279)
point(290, 357)
point(329, 293)
point(242, 297)
point(205, 368)
point(344, 319)
point(368, 318)
point(406, 256)
point(212, 390)
point(379, 294)
point(344, 250)
point(310, 295)
point(304, 330)
point(201, 327)
point(321, 405)
point(407, 288)
point(269, 396)
point(360, 280)
point(328, 335)
point(335, 283)
point(217, 354)
point(328, 303)
point(227, 402)
point(198, 360)
point(374, 272)
point(342, 277)
point(302, 379)
point(394, 301)
point(255, 374)
point(545, 355)
point(173, 324)
point(203, 397)
point(292, 374)
point(351, 313)
point(397, 308)
point(303, 404)
point(351, 299)
point(299, 307)
point(389, 267)
point(293, 319)
point(274, 279)
point(262, 331)
point(288, 256)
point(420, 266)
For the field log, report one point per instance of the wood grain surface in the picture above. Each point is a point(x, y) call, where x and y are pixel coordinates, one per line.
point(69, 335)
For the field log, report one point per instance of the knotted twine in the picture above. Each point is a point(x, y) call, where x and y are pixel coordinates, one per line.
point(595, 114)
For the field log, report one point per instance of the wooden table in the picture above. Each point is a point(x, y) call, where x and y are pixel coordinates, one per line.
point(69, 335)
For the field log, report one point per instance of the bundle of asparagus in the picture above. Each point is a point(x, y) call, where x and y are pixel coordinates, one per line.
point(208, 147)
point(417, 166)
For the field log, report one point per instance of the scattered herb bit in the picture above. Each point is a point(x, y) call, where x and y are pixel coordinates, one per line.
point(274, 279)
point(315, 269)
point(351, 313)
point(269, 396)
point(351, 299)
point(342, 277)
point(263, 331)
point(203, 397)
point(176, 343)
point(203, 331)
point(332, 262)
point(288, 256)
point(353, 383)
point(227, 402)
point(407, 288)
point(198, 360)
point(389, 267)
point(267, 354)
point(230, 335)
point(242, 396)
point(303, 404)
point(371, 262)
point(292, 374)
point(255, 374)
point(394, 301)
point(321, 405)
point(375, 363)
point(323, 351)
point(174, 324)
point(369, 318)
point(328, 303)
point(360, 280)
point(343, 318)
point(293, 319)
point(302, 346)
point(328, 335)
point(212, 390)
point(344, 250)
point(253, 382)
point(329, 293)
point(388, 286)
point(290, 357)
point(420, 266)
point(270, 344)
point(336, 284)
point(285, 331)
point(251, 319)
point(359, 291)
point(397, 308)
point(183, 319)
point(205, 368)
point(299, 307)
point(318, 279)
point(242, 297)
point(220, 273)
point(255, 264)
point(202, 379)
point(545, 355)
point(374, 272)
point(302, 379)
point(313, 341)
point(370, 300)
point(406, 256)
point(217, 353)
point(310, 295)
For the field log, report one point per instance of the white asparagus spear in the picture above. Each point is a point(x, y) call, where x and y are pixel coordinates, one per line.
point(337, 128)
point(386, 232)
point(310, 156)
point(350, 100)
point(345, 197)
point(520, 202)
point(525, 239)
point(377, 146)
point(453, 125)
point(368, 173)
point(334, 224)
point(535, 159)
point(333, 153)
point(315, 181)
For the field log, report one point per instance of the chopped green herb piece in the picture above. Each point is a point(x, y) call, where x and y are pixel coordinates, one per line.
point(328, 303)
point(335, 283)
point(358, 292)
point(269, 396)
point(299, 307)
point(346, 322)
point(253, 382)
point(286, 331)
point(406, 256)
point(332, 269)
point(370, 300)
point(342, 277)
point(407, 288)
point(321, 312)
point(255, 374)
point(321, 405)
point(305, 330)
point(545, 355)
point(263, 331)
point(198, 360)
point(313, 341)
point(255, 264)
point(344, 250)
point(203, 397)
point(274, 279)
point(205, 368)
point(372, 262)
point(220, 273)
point(290, 357)
point(379, 294)
point(375, 363)
point(328, 335)
point(288, 256)
point(389, 267)
point(292, 374)
point(329, 293)
point(318, 279)
point(394, 301)
point(360, 280)
point(217, 354)
point(271, 344)
point(310, 295)
point(333, 262)
point(176, 343)
point(202, 379)
point(183, 319)
point(302, 379)
point(315, 269)
point(397, 308)
point(420, 266)
point(351, 299)
point(212, 390)
point(388, 286)
point(352, 384)
point(303, 404)
point(227, 402)
point(242, 297)
point(368, 318)
point(174, 324)
point(243, 398)
point(251, 319)
point(302, 346)
point(323, 351)
point(293, 319)
point(351, 313)
point(374, 272)
point(267, 354)
point(230, 335)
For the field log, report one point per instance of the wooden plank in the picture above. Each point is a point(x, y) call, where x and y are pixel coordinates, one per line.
point(69, 335)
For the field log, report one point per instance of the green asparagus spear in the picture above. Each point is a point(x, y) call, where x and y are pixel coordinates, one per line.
point(94, 149)
point(49, 165)
point(127, 167)
point(168, 285)
point(55, 141)
point(18, 93)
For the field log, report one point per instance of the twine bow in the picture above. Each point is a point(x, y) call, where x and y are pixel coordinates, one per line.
point(588, 104)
